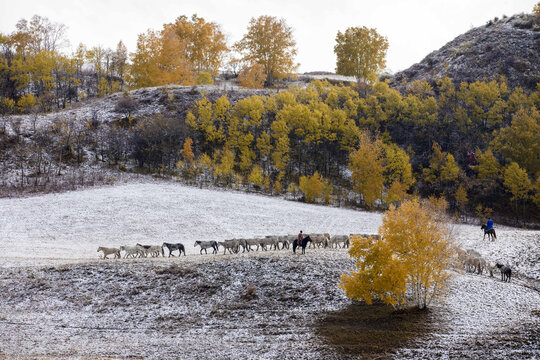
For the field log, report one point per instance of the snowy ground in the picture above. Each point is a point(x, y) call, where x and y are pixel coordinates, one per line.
point(58, 300)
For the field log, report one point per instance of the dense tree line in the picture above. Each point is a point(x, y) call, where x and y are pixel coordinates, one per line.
point(475, 144)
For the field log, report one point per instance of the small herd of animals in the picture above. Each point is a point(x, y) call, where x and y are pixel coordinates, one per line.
point(473, 262)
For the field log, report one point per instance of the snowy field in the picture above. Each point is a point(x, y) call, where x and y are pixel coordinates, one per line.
point(58, 300)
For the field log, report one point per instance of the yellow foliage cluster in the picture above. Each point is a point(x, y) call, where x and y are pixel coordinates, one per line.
point(270, 43)
point(312, 187)
point(183, 52)
point(252, 77)
point(376, 166)
point(360, 52)
point(414, 253)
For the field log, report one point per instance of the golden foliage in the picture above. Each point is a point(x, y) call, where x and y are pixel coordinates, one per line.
point(366, 164)
point(520, 142)
point(26, 102)
point(256, 177)
point(311, 187)
point(488, 166)
point(517, 181)
point(205, 78)
point(270, 43)
point(203, 42)
point(159, 60)
point(361, 53)
point(414, 252)
point(187, 151)
point(252, 77)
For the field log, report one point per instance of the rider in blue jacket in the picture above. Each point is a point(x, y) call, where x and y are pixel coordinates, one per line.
point(489, 225)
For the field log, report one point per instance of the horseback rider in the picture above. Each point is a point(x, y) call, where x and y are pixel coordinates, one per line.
point(300, 238)
point(489, 225)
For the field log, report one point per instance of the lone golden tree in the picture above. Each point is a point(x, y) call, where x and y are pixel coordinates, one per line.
point(411, 259)
point(361, 53)
point(270, 43)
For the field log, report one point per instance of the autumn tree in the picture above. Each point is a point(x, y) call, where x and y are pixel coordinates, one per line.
point(269, 42)
point(360, 52)
point(159, 60)
point(256, 177)
point(203, 43)
point(252, 77)
point(414, 254)
point(520, 142)
point(488, 167)
point(518, 183)
point(461, 198)
point(120, 64)
point(443, 170)
point(397, 173)
point(311, 187)
point(366, 165)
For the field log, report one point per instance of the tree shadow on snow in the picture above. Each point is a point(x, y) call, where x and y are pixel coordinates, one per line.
point(372, 331)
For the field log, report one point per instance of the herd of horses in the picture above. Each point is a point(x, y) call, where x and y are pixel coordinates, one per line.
point(233, 246)
point(468, 259)
point(473, 262)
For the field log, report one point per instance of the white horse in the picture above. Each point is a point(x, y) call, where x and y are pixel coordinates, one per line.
point(130, 251)
point(152, 250)
point(109, 251)
point(337, 240)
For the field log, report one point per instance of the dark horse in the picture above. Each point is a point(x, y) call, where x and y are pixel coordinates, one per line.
point(173, 247)
point(490, 233)
point(303, 244)
point(506, 272)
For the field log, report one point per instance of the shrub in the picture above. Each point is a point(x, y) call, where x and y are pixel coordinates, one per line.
point(205, 78)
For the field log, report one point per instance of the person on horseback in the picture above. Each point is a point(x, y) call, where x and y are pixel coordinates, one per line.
point(489, 225)
point(489, 230)
point(300, 237)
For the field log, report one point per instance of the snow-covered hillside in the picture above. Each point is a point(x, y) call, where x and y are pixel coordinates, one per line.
point(59, 300)
point(71, 226)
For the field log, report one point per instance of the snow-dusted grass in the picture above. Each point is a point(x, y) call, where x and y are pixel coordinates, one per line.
point(58, 300)
point(72, 225)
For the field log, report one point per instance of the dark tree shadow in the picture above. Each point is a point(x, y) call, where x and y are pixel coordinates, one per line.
point(372, 331)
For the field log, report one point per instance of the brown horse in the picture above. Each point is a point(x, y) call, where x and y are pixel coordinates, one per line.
point(490, 233)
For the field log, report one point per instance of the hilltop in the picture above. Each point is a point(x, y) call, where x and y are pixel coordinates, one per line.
point(509, 46)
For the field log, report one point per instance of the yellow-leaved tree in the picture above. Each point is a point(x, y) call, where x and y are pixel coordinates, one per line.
point(269, 42)
point(520, 142)
point(203, 42)
point(366, 165)
point(361, 53)
point(518, 183)
point(312, 187)
point(410, 260)
point(252, 77)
